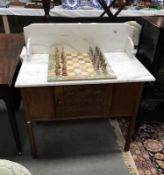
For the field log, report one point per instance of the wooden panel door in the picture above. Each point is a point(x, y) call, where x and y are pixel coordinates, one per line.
point(83, 101)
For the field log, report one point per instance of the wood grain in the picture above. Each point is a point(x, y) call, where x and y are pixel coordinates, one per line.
point(10, 48)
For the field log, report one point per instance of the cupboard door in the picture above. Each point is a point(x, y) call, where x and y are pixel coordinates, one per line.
point(125, 99)
point(83, 101)
point(38, 102)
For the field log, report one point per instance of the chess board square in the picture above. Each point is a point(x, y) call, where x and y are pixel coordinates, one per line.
point(84, 74)
point(70, 70)
point(72, 74)
point(81, 61)
point(91, 70)
point(69, 63)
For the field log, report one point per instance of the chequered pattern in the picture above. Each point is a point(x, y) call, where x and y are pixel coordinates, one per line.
point(79, 67)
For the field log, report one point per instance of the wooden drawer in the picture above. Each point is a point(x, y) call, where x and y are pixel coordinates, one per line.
point(83, 101)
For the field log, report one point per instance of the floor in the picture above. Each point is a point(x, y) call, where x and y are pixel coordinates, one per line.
point(147, 147)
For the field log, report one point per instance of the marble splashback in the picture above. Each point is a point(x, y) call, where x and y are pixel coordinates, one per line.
point(78, 37)
point(114, 39)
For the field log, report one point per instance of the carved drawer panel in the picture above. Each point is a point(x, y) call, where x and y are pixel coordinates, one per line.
point(82, 101)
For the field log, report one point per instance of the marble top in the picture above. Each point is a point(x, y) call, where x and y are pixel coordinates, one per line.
point(33, 72)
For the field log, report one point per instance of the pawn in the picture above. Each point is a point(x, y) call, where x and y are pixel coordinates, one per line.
point(104, 67)
point(57, 72)
point(64, 71)
point(62, 56)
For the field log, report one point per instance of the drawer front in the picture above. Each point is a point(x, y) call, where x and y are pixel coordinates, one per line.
point(83, 101)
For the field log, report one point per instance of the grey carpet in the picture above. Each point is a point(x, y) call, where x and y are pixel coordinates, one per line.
point(85, 147)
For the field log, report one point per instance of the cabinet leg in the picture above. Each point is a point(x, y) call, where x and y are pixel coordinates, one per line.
point(17, 99)
point(32, 139)
point(130, 133)
point(131, 127)
point(13, 123)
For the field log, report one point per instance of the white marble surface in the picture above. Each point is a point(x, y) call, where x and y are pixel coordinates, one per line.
point(114, 41)
point(33, 73)
point(78, 37)
point(58, 11)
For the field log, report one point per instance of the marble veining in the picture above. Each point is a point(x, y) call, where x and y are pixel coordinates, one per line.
point(34, 72)
point(114, 39)
point(109, 37)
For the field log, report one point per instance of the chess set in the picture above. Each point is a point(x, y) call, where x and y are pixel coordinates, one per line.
point(64, 65)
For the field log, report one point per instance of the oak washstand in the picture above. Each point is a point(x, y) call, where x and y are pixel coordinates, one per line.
point(80, 98)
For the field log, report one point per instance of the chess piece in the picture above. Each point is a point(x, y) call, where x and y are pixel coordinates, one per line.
point(102, 60)
point(57, 70)
point(91, 51)
point(62, 56)
point(56, 55)
point(104, 69)
point(64, 70)
point(101, 56)
point(91, 54)
point(59, 59)
point(94, 59)
point(63, 60)
point(97, 63)
point(97, 50)
point(57, 63)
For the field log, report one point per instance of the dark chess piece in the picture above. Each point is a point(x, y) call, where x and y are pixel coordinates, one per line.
point(97, 49)
point(97, 63)
point(94, 59)
point(91, 54)
point(91, 51)
point(104, 68)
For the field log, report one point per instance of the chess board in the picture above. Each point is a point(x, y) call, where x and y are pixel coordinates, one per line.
point(78, 67)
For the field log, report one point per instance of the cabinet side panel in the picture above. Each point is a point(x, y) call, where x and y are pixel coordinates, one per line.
point(125, 99)
point(38, 102)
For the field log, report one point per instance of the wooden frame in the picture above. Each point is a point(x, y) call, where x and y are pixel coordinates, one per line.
point(82, 101)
